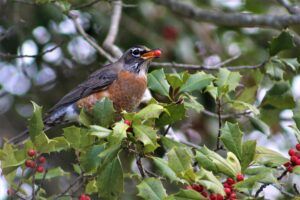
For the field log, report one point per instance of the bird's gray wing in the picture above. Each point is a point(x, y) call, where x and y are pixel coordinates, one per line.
point(97, 81)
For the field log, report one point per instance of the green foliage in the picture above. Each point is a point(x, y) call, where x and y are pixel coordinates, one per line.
point(282, 42)
point(152, 189)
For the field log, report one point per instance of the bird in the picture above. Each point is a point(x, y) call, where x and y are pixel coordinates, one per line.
point(124, 82)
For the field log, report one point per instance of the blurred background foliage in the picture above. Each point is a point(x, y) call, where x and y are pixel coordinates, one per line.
point(31, 29)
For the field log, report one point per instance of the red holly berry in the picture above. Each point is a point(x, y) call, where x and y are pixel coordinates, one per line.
point(298, 147)
point(188, 187)
point(213, 197)
point(290, 168)
point(226, 185)
point(30, 164)
point(297, 154)
point(240, 177)
point(297, 162)
point(230, 181)
point(31, 152)
point(227, 191)
point(84, 197)
point(292, 152)
point(40, 169)
point(220, 197)
point(233, 195)
point(42, 159)
point(129, 123)
point(294, 159)
point(287, 164)
point(198, 188)
point(203, 193)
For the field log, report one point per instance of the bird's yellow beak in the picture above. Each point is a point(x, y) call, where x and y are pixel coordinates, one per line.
point(151, 54)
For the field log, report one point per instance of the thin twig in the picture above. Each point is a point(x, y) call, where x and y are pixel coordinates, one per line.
point(290, 8)
point(295, 188)
point(69, 188)
point(33, 185)
point(140, 165)
point(85, 5)
point(81, 31)
point(167, 130)
point(230, 19)
point(12, 56)
point(206, 68)
point(226, 116)
point(42, 181)
point(219, 110)
point(109, 41)
point(266, 184)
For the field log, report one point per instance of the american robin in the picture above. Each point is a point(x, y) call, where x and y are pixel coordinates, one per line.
point(123, 82)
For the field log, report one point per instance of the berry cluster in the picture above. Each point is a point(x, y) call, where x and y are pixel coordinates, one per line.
point(84, 197)
point(294, 158)
point(35, 162)
point(228, 189)
point(204, 192)
point(129, 123)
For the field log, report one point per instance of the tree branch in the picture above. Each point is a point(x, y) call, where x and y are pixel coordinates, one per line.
point(81, 31)
point(86, 5)
point(12, 56)
point(109, 41)
point(290, 8)
point(69, 188)
point(206, 68)
point(230, 19)
point(266, 184)
point(219, 110)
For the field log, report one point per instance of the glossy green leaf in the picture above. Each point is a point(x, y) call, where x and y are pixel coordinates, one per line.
point(176, 80)
point(91, 187)
point(165, 170)
point(99, 131)
point(147, 135)
point(77, 137)
point(232, 138)
point(279, 96)
point(186, 195)
point(196, 81)
point(179, 160)
point(150, 112)
point(210, 182)
point(36, 124)
point(227, 81)
point(260, 125)
point(52, 173)
point(269, 157)
point(174, 113)
point(248, 153)
point(282, 42)
point(110, 180)
point(191, 102)
point(151, 189)
point(103, 112)
point(90, 159)
point(158, 83)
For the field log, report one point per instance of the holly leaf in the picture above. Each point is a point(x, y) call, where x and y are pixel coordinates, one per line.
point(269, 157)
point(147, 135)
point(165, 170)
point(36, 124)
point(90, 159)
point(227, 81)
point(248, 153)
point(210, 182)
point(158, 83)
point(52, 173)
point(196, 81)
point(110, 180)
point(232, 138)
point(104, 113)
point(151, 189)
point(174, 112)
point(282, 42)
point(151, 111)
point(179, 160)
point(186, 195)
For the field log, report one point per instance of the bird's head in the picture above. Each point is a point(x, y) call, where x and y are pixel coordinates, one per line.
point(138, 58)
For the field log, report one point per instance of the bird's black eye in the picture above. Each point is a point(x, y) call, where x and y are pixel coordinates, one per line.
point(136, 52)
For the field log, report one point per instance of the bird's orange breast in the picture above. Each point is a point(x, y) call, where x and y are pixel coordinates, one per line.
point(125, 92)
